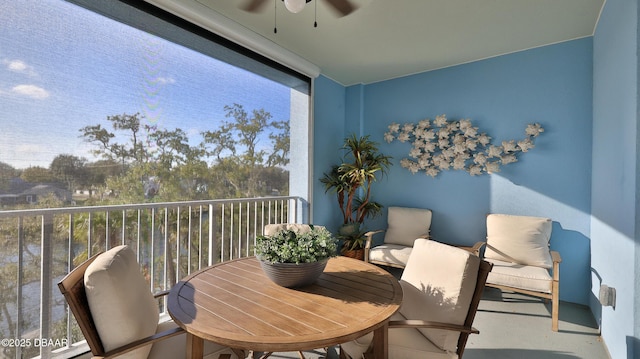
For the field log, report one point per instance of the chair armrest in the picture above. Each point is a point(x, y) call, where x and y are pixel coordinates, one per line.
point(555, 256)
point(477, 247)
point(369, 236)
point(142, 342)
point(367, 244)
point(414, 323)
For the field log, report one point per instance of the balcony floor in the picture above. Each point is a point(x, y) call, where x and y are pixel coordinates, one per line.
point(518, 326)
point(512, 325)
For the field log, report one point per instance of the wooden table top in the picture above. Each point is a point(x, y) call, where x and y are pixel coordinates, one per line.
point(233, 303)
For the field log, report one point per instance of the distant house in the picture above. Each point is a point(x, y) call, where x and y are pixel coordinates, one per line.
point(21, 192)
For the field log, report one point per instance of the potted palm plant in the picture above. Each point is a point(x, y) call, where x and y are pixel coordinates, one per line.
point(351, 181)
point(294, 257)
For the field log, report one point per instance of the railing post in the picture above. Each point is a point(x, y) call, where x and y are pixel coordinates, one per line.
point(45, 281)
point(152, 257)
point(19, 279)
point(200, 237)
point(213, 245)
point(231, 209)
point(70, 256)
point(138, 235)
point(107, 230)
point(189, 239)
point(124, 227)
point(90, 236)
point(165, 268)
point(292, 211)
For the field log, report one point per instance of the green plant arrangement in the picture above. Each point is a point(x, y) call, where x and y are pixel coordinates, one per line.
point(351, 181)
point(295, 258)
point(288, 246)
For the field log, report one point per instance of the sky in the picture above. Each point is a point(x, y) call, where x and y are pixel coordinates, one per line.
point(63, 68)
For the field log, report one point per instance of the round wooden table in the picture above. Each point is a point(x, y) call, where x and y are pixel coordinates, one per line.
point(234, 304)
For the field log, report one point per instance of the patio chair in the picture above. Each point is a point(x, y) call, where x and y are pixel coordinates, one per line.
point(518, 248)
point(118, 315)
point(442, 286)
point(404, 225)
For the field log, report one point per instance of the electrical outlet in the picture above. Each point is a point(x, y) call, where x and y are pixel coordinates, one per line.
point(607, 296)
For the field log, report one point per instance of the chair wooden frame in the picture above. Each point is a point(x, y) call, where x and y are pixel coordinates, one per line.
point(73, 290)
point(554, 296)
point(475, 249)
point(367, 248)
point(369, 239)
point(465, 329)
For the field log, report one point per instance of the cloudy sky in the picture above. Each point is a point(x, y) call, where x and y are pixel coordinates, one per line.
point(63, 68)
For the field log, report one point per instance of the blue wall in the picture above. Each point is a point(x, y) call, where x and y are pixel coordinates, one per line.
point(615, 222)
point(550, 85)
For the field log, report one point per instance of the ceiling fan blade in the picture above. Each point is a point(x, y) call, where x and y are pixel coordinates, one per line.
point(343, 7)
point(254, 5)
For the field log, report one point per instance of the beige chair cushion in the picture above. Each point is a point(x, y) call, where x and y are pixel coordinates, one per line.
point(390, 253)
point(271, 229)
point(520, 276)
point(403, 343)
point(121, 303)
point(519, 239)
point(407, 224)
point(438, 284)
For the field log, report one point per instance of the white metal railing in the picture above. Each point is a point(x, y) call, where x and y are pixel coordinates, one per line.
point(38, 247)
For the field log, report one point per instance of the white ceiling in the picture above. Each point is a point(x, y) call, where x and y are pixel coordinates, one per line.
point(385, 39)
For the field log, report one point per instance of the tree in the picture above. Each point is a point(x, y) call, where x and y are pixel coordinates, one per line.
point(240, 152)
point(153, 166)
point(37, 174)
point(70, 170)
point(236, 160)
point(7, 173)
point(108, 146)
point(281, 147)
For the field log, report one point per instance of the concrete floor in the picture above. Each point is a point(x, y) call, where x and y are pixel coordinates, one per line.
point(518, 326)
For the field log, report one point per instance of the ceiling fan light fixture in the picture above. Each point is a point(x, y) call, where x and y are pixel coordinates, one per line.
point(294, 6)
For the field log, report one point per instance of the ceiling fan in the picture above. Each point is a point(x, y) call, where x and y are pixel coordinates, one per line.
point(342, 7)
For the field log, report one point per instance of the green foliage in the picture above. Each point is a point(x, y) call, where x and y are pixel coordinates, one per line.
point(70, 170)
point(352, 236)
point(7, 173)
point(288, 246)
point(37, 175)
point(352, 179)
point(241, 159)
